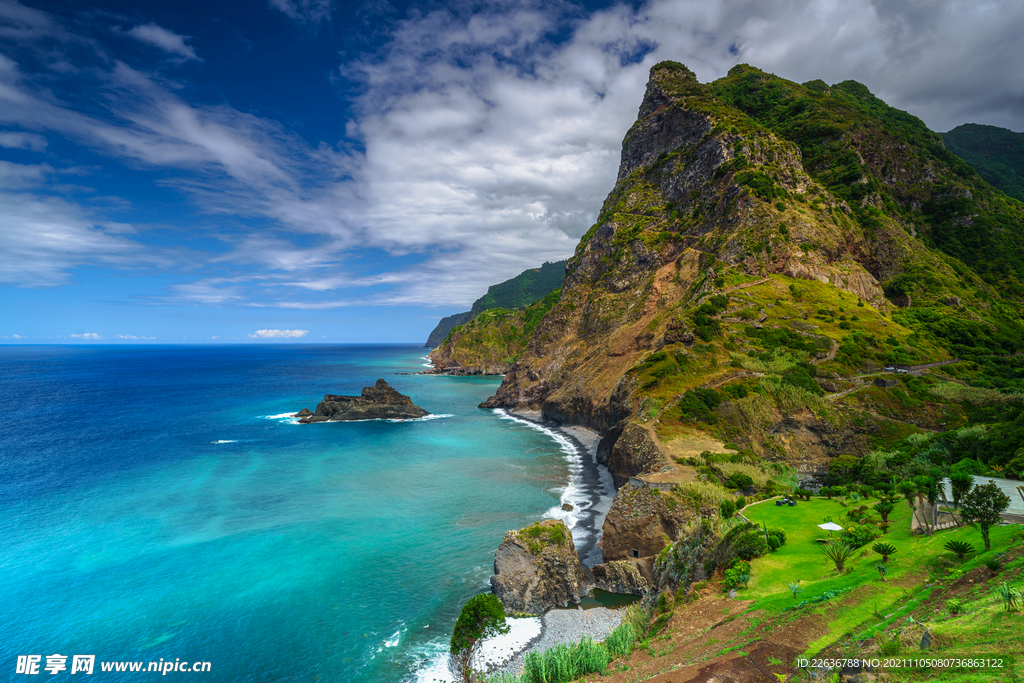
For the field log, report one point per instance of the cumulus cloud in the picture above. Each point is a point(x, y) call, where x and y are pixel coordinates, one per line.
point(489, 134)
point(168, 41)
point(92, 336)
point(278, 334)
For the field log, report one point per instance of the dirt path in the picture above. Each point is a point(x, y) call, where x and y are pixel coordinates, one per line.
point(745, 285)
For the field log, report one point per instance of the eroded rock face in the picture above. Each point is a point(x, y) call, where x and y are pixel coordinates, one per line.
point(633, 453)
point(537, 568)
point(625, 577)
point(638, 524)
point(379, 402)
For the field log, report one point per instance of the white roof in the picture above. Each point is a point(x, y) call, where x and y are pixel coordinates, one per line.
point(830, 526)
point(1007, 486)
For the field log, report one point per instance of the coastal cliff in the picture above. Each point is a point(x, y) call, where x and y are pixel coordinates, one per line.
point(748, 255)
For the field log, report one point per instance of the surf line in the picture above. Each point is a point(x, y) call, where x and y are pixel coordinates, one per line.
point(589, 489)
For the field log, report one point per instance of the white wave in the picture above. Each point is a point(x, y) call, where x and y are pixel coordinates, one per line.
point(226, 441)
point(429, 363)
point(572, 492)
point(283, 418)
point(425, 418)
point(393, 640)
point(493, 650)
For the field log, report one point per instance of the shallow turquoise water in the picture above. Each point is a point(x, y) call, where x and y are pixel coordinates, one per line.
point(150, 509)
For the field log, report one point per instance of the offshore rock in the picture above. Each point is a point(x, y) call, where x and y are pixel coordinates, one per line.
point(379, 402)
point(537, 568)
point(625, 577)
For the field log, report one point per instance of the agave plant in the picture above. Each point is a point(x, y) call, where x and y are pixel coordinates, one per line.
point(884, 549)
point(838, 554)
point(794, 588)
point(959, 548)
point(1011, 596)
point(882, 569)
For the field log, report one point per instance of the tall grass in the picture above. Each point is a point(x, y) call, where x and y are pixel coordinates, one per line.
point(620, 641)
point(756, 473)
point(976, 395)
point(698, 493)
point(564, 662)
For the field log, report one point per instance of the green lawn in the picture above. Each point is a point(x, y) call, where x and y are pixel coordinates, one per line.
point(801, 559)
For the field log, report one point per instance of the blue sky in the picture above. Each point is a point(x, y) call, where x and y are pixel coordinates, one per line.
point(323, 171)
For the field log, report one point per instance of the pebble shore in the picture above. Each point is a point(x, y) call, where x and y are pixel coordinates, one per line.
point(566, 626)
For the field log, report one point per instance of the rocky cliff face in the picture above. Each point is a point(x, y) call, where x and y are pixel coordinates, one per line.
point(379, 402)
point(757, 225)
point(639, 524)
point(537, 568)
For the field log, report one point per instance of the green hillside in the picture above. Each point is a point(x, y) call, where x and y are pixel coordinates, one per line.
point(997, 154)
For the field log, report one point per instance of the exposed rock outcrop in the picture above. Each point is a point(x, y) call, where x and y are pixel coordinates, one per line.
point(379, 402)
point(537, 568)
point(633, 453)
point(625, 577)
point(639, 524)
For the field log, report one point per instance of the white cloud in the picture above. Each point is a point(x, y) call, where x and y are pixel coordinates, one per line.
point(489, 147)
point(305, 11)
point(167, 41)
point(279, 334)
point(92, 336)
point(21, 140)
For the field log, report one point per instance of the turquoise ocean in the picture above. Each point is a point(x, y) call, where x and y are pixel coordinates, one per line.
point(158, 503)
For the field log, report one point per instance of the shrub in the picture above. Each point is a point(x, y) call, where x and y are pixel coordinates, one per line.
point(959, 548)
point(739, 481)
point(994, 564)
point(882, 569)
point(778, 531)
point(891, 646)
point(741, 503)
point(794, 588)
point(735, 577)
point(858, 535)
point(620, 641)
point(885, 550)
point(727, 509)
point(639, 618)
point(774, 543)
point(750, 545)
point(955, 606)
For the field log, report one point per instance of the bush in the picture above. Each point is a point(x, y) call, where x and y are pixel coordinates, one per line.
point(639, 618)
point(858, 535)
point(750, 545)
point(838, 554)
point(774, 543)
point(741, 503)
point(735, 577)
point(727, 509)
point(955, 606)
point(778, 531)
point(959, 548)
point(739, 481)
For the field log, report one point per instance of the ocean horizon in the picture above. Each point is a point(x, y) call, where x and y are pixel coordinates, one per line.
point(159, 503)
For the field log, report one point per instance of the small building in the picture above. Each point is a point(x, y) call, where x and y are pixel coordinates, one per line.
point(1011, 487)
point(886, 383)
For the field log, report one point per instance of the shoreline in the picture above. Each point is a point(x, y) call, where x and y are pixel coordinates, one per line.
point(568, 625)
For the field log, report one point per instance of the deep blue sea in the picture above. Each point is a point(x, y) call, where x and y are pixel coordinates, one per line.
point(158, 503)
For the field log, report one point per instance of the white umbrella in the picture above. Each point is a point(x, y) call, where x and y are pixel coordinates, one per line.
point(830, 527)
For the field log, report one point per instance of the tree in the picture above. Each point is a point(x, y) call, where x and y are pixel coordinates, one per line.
point(482, 616)
point(909, 491)
point(960, 483)
point(983, 506)
point(885, 550)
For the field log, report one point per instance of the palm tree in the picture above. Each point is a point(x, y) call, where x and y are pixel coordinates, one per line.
point(959, 548)
point(884, 549)
point(838, 554)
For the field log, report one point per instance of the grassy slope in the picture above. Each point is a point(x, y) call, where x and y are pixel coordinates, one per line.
point(997, 154)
